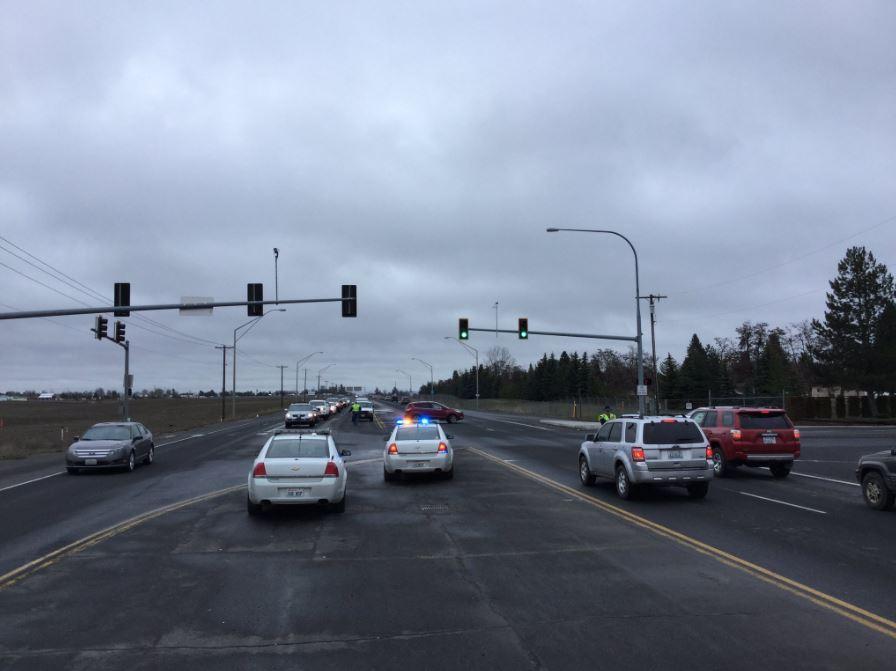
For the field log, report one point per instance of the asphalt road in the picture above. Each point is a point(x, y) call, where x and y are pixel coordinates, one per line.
point(511, 565)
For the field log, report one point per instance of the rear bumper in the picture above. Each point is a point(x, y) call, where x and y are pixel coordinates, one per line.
point(365, 415)
point(777, 458)
point(684, 476)
point(418, 463)
point(278, 492)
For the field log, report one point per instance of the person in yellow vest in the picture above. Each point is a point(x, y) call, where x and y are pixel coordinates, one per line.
point(606, 415)
point(356, 409)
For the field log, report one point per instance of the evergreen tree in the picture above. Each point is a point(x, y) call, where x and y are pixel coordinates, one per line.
point(694, 376)
point(884, 355)
point(669, 378)
point(857, 300)
point(774, 372)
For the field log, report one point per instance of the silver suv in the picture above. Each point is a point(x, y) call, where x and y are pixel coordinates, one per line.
point(637, 451)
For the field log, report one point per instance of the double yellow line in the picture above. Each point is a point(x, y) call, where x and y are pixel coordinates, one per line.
point(14, 576)
point(850, 611)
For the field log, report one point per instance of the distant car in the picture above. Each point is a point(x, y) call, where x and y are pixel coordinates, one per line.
point(404, 400)
point(418, 447)
point(300, 414)
point(110, 445)
point(749, 436)
point(433, 411)
point(366, 411)
point(877, 475)
point(639, 451)
point(321, 406)
point(334, 405)
point(298, 468)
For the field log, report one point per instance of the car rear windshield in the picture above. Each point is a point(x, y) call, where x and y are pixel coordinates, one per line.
point(292, 448)
point(298, 407)
point(667, 433)
point(417, 433)
point(107, 433)
point(764, 421)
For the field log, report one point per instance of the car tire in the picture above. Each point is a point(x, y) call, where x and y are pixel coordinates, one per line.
point(877, 494)
point(72, 471)
point(340, 507)
point(150, 456)
point(624, 486)
point(252, 508)
point(585, 475)
point(452, 419)
point(132, 462)
point(720, 465)
point(387, 476)
point(779, 471)
point(698, 490)
point(448, 475)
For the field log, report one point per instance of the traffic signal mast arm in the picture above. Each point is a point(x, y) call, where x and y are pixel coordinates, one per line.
point(559, 333)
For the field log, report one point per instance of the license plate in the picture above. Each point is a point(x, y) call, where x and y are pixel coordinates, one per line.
point(296, 492)
point(90, 462)
point(420, 464)
point(769, 440)
point(675, 454)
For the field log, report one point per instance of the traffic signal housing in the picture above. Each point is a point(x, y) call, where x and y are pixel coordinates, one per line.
point(349, 300)
point(119, 331)
point(122, 298)
point(523, 328)
point(101, 327)
point(463, 329)
point(255, 292)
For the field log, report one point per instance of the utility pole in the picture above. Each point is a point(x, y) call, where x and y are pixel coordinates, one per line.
point(223, 349)
point(654, 299)
point(281, 384)
point(496, 318)
point(305, 388)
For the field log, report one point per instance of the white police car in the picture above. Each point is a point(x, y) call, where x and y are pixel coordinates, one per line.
point(417, 447)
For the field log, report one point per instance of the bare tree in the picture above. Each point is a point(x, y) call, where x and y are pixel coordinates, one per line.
point(500, 360)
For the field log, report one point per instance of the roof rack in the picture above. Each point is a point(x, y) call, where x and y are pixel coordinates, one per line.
point(302, 432)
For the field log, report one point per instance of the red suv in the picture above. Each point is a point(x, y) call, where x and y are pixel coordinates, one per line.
point(750, 436)
point(432, 410)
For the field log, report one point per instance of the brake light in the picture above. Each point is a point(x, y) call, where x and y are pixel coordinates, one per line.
point(637, 454)
point(764, 412)
point(443, 447)
point(393, 449)
point(669, 421)
point(708, 452)
point(259, 470)
point(331, 471)
point(796, 434)
point(735, 434)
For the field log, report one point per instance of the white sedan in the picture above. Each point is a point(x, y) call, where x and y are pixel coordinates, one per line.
point(298, 468)
point(418, 447)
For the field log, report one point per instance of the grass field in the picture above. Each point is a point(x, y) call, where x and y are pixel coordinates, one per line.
point(32, 427)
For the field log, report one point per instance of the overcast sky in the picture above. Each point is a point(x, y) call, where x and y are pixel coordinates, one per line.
point(419, 150)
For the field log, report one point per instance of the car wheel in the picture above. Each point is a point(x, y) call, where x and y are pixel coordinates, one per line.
point(448, 475)
point(132, 462)
point(698, 490)
point(387, 476)
point(875, 491)
point(779, 471)
point(452, 419)
point(585, 474)
point(719, 462)
point(72, 471)
point(340, 507)
point(624, 487)
point(150, 456)
point(252, 508)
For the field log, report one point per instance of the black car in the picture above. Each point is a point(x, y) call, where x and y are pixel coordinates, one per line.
point(110, 445)
point(877, 473)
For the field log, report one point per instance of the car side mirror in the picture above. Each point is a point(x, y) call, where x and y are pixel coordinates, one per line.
point(449, 436)
point(590, 437)
point(345, 453)
point(135, 439)
point(75, 439)
point(387, 436)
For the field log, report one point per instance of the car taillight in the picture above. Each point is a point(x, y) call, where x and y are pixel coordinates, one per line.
point(393, 449)
point(708, 452)
point(637, 454)
point(735, 434)
point(796, 434)
point(259, 470)
point(443, 447)
point(331, 471)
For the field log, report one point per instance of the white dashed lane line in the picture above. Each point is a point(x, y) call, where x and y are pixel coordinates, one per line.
point(784, 503)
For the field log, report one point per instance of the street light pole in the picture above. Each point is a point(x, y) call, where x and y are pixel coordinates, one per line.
point(298, 363)
point(281, 384)
point(250, 324)
point(410, 384)
point(475, 353)
point(318, 375)
point(641, 397)
point(431, 385)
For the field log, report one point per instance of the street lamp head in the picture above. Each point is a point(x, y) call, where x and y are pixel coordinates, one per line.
point(552, 230)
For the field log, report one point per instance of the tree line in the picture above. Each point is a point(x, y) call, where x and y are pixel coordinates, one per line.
point(853, 347)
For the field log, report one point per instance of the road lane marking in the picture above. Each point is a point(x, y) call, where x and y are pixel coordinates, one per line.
point(818, 477)
point(489, 429)
point(362, 461)
point(28, 482)
point(17, 574)
point(507, 421)
point(845, 609)
point(783, 503)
